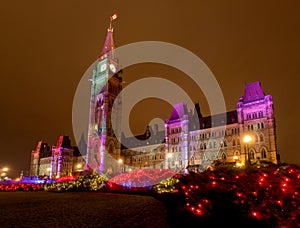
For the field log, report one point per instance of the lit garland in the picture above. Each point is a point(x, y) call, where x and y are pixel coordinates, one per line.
point(166, 186)
point(7, 187)
point(81, 183)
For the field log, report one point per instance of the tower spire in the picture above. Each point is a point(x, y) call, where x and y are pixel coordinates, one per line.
point(109, 41)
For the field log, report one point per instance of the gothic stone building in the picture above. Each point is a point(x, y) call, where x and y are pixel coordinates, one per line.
point(59, 160)
point(189, 139)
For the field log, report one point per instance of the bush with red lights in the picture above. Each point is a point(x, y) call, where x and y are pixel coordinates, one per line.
point(139, 180)
point(21, 187)
point(270, 195)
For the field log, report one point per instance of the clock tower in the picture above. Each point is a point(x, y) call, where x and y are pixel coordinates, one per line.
point(104, 146)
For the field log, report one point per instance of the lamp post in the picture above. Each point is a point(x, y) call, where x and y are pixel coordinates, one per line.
point(247, 139)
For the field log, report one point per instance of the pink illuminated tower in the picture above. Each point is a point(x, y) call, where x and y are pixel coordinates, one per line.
point(103, 151)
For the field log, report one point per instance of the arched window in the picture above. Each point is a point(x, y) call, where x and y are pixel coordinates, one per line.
point(224, 157)
point(248, 127)
point(238, 142)
point(215, 144)
point(262, 125)
point(263, 153)
point(233, 142)
point(258, 126)
point(201, 146)
point(251, 126)
point(251, 154)
point(205, 146)
point(192, 160)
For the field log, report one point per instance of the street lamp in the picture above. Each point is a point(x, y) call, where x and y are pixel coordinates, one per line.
point(247, 139)
point(5, 169)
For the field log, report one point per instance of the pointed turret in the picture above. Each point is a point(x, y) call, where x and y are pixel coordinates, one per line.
point(108, 44)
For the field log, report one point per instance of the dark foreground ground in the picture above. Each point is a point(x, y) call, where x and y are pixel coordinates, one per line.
point(44, 209)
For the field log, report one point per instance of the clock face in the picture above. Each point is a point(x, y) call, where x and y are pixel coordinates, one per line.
point(112, 68)
point(103, 67)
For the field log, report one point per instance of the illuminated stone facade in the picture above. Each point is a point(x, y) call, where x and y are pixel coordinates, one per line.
point(56, 161)
point(189, 139)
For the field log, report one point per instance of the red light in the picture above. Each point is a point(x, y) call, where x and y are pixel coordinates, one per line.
point(214, 183)
point(254, 214)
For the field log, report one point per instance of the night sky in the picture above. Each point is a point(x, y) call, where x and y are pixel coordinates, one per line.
point(46, 46)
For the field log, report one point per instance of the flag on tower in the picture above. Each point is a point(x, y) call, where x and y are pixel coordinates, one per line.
point(114, 17)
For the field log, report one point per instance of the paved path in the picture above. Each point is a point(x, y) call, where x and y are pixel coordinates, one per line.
point(44, 209)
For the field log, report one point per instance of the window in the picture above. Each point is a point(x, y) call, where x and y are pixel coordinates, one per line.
point(201, 146)
point(238, 141)
point(258, 126)
point(224, 157)
point(233, 142)
point(264, 153)
point(251, 154)
point(262, 125)
point(192, 160)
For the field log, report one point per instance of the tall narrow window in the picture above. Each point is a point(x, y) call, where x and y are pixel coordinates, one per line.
point(263, 153)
